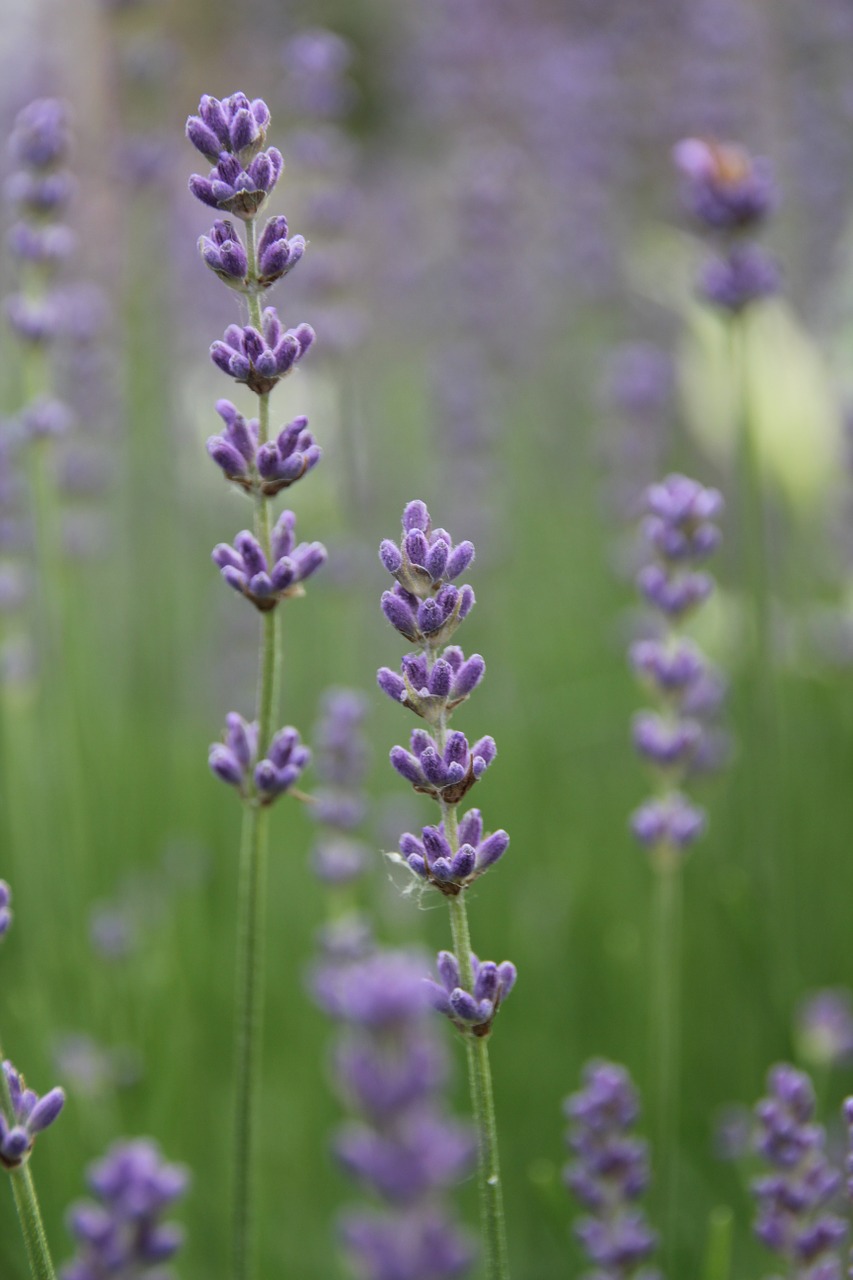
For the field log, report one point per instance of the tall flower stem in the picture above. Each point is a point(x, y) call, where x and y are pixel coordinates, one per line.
point(666, 1024)
point(27, 1205)
point(251, 932)
point(492, 1216)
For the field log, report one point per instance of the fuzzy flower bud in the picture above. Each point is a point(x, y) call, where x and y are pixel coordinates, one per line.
point(30, 1114)
point(471, 1012)
point(445, 775)
point(235, 761)
point(245, 567)
point(261, 358)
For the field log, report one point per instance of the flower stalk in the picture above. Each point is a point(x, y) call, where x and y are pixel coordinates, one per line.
point(265, 566)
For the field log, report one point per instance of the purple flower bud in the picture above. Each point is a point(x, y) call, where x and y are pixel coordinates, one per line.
point(671, 822)
point(724, 187)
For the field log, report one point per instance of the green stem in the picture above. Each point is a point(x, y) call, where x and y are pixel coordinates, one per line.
point(250, 984)
point(32, 1228)
point(27, 1205)
point(492, 1217)
point(252, 875)
point(665, 1025)
point(718, 1252)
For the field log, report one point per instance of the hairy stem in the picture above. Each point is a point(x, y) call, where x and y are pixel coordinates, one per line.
point(492, 1217)
point(252, 876)
point(666, 1024)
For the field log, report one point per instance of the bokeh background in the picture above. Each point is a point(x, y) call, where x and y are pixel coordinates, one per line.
point(500, 277)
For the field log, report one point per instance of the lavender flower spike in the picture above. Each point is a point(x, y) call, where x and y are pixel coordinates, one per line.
point(433, 692)
point(30, 1114)
point(5, 908)
point(609, 1173)
point(121, 1233)
point(794, 1218)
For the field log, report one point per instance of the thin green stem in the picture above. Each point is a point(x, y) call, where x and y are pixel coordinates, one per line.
point(492, 1216)
point(250, 985)
point(718, 1252)
point(251, 931)
point(32, 1227)
point(27, 1205)
point(666, 1024)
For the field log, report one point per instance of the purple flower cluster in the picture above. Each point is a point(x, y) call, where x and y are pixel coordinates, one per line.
point(5, 908)
point(341, 763)
point(431, 857)
point(121, 1234)
point(235, 760)
point(794, 1218)
point(29, 1115)
point(609, 1173)
point(262, 469)
point(391, 1073)
point(730, 194)
point(277, 255)
point(231, 134)
point(679, 530)
point(261, 357)
point(471, 1011)
point(424, 606)
point(266, 581)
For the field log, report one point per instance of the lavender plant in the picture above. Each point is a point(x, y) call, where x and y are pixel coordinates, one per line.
point(120, 1234)
point(609, 1174)
point(795, 1218)
point(265, 564)
point(391, 1072)
point(680, 533)
point(426, 608)
point(23, 1115)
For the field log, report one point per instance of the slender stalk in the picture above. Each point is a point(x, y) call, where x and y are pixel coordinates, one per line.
point(27, 1205)
point(492, 1218)
point(666, 1024)
point(718, 1252)
point(251, 935)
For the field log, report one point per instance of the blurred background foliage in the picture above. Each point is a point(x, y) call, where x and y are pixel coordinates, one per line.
point(500, 280)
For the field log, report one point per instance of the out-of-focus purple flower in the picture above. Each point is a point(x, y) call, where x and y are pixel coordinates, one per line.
point(245, 567)
point(446, 774)
point(793, 1218)
point(269, 468)
point(420, 1244)
point(40, 137)
point(746, 274)
point(5, 908)
point(471, 1012)
point(723, 186)
point(680, 524)
point(35, 320)
point(609, 1172)
point(432, 859)
point(435, 691)
point(261, 358)
point(671, 822)
point(30, 1114)
point(122, 1232)
point(48, 245)
point(341, 760)
point(733, 1132)
point(235, 760)
point(315, 63)
point(392, 1071)
point(823, 1027)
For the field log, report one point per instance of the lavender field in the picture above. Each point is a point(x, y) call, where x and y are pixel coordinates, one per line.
point(426, 640)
